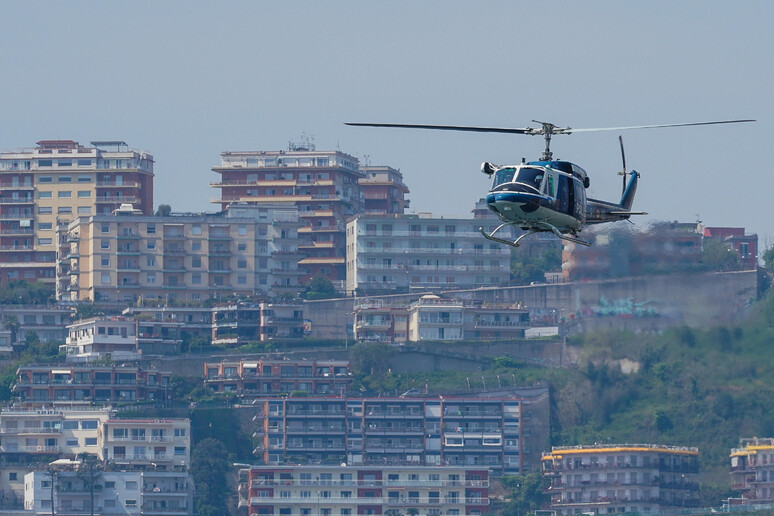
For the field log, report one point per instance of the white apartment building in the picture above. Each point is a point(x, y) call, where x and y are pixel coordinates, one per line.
point(162, 443)
point(396, 253)
point(121, 492)
point(89, 339)
point(26, 435)
point(55, 182)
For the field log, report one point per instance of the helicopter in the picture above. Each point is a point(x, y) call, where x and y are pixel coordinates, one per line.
point(549, 195)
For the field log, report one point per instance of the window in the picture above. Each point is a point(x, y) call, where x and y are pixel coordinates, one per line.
point(179, 450)
point(196, 261)
point(180, 432)
point(196, 246)
point(65, 179)
point(45, 210)
point(84, 210)
point(196, 278)
point(104, 244)
point(64, 210)
point(151, 229)
point(110, 484)
point(12, 476)
point(150, 261)
point(84, 179)
point(89, 424)
point(242, 280)
point(105, 278)
point(64, 194)
point(131, 484)
point(131, 503)
point(151, 277)
point(84, 193)
point(84, 163)
point(45, 163)
point(151, 244)
point(196, 229)
point(45, 241)
point(45, 225)
point(69, 425)
point(242, 230)
point(44, 195)
point(91, 441)
point(45, 179)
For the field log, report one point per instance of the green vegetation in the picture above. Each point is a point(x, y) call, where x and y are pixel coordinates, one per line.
point(22, 292)
point(209, 467)
point(526, 268)
point(320, 287)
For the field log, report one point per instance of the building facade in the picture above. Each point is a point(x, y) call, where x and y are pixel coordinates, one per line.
point(486, 433)
point(752, 470)
point(383, 190)
point(621, 478)
point(97, 337)
point(266, 377)
point(322, 185)
point(432, 318)
point(149, 492)
point(350, 490)
point(47, 385)
point(388, 254)
point(50, 185)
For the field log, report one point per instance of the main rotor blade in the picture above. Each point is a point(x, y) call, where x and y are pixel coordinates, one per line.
point(656, 126)
point(449, 128)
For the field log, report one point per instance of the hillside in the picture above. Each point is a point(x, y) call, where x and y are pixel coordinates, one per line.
point(684, 387)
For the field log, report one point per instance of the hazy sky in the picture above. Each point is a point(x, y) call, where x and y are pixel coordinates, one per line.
point(188, 80)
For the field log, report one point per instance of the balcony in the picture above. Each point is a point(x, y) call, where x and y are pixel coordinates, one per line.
point(104, 199)
point(17, 231)
point(17, 200)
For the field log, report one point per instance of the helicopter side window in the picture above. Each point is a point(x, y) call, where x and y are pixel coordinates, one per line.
point(531, 176)
point(504, 175)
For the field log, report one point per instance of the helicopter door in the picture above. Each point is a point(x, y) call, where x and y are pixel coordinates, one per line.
point(549, 184)
point(565, 196)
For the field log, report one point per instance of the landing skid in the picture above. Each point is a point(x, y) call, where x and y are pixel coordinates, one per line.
point(515, 243)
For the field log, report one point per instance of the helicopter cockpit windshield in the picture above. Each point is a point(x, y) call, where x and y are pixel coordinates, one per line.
point(504, 175)
point(530, 176)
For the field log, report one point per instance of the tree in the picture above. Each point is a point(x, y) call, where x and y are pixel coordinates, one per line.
point(164, 210)
point(209, 467)
point(768, 258)
point(320, 287)
point(11, 323)
point(718, 257)
point(89, 471)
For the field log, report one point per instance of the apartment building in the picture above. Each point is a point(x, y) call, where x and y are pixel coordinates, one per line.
point(30, 437)
point(276, 247)
point(164, 444)
point(350, 490)
point(131, 259)
point(55, 182)
point(90, 339)
point(383, 190)
point(240, 323)
point(195, 320)
point(486, 433)
point(736, 240)
point(266, 377)
point(322, 185)
point(637, 478)
point(389, 254)
point(149, 492)
point(60, 384)
point(752, 469)
point(432, 318)
point(49, 323)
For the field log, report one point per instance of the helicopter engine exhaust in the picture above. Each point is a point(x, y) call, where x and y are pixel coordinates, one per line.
point(488, 168)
